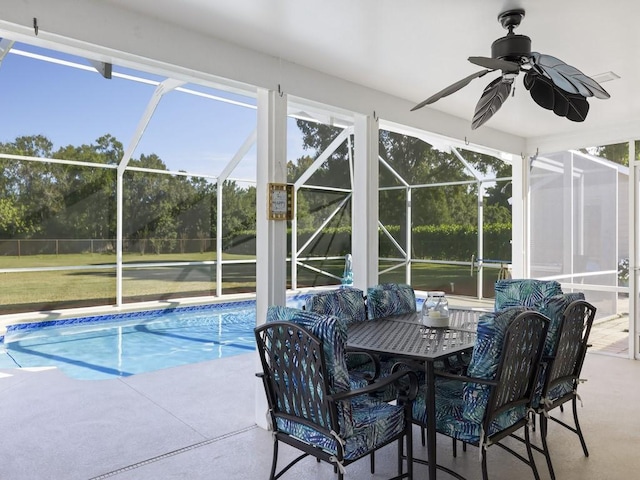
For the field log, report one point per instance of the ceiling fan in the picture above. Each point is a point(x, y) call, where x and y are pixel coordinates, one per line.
point(553, 84)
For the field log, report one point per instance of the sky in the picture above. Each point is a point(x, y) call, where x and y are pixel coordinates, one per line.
point(73, 106)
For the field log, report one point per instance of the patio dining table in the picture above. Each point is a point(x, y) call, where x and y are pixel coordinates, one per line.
point(404, 336)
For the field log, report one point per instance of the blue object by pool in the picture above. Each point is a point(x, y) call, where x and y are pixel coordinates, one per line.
point(120, 345)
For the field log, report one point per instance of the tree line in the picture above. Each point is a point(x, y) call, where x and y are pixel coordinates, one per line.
point(64, 201)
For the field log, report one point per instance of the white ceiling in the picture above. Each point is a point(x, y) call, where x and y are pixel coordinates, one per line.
point(414, 48)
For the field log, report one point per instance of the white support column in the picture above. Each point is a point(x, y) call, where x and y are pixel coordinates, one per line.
point(409, 230)
point(568, 214)
point(271, 235)
point(634, 242)
point(480, 240)
point(520, 171)
point(364, 223)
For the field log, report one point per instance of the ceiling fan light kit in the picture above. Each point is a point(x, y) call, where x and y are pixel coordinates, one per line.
point(553, 84)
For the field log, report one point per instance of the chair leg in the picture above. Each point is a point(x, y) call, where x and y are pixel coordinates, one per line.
point(578, 429)
point(485, 476)
point(401, 453)
point(533, 421)
point(422, 436)
point(455, 448)
point(532, 462)
point(372, 459)
point(544, 424)
point(409, 437)
point(274, 460)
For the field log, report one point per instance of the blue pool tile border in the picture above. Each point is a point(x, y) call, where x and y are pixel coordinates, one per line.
point(294, 300)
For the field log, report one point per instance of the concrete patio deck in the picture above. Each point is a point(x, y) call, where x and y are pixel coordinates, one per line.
point(198, 422)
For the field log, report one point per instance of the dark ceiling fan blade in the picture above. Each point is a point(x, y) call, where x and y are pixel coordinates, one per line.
point(494, 95)
point(451, 89)
point(566, 77)
point(548, 95)
point(496, 64)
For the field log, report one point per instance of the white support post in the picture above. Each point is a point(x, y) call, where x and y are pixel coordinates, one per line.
point(219, 187)
point(520, 171)
point(634, 241)
point(480, 240)
point(364, 223)
point(271, 235)
point(568, 214)
point(409, 230)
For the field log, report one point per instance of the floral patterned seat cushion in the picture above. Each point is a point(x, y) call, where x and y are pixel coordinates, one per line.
point(484, 361)
point(554, 309)
point(449, 413)
point(372, 421)
point(389, 299)
point(384, 300)
point(524, 292)
point(461, 406)
point(362, 420)
point(346, 303)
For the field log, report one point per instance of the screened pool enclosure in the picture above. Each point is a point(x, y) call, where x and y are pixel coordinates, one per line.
point(145, 185)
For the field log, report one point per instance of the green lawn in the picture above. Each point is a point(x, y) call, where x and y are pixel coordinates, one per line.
point(47, 290)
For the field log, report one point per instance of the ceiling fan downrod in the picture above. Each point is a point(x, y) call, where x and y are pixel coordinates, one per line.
point(511, 47)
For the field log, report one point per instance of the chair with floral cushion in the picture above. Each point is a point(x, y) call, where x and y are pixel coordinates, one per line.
point(493, 400)
point(525, 292)
point(565, 352)
point(387, 299)
point(311, 405)
point(347, 303)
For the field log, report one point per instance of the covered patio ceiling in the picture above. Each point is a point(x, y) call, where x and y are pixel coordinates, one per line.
point(414, 48)
point(367, 56)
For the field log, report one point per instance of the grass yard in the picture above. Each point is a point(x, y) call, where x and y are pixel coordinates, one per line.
point(94, 283)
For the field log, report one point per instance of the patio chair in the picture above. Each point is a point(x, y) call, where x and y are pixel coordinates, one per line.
point(562, 366)
point(492, 401)
point(311, 405)
point(387, 299)
point(347, 303)
point(524, 292)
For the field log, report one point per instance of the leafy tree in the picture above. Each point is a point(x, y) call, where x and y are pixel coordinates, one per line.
point(618, 152)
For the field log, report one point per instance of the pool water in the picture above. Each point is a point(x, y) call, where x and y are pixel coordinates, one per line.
point(125, 344)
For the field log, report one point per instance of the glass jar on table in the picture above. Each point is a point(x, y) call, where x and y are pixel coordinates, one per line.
point(435, 310)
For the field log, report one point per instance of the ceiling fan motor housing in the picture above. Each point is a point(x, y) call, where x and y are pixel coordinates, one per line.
point(511, 47)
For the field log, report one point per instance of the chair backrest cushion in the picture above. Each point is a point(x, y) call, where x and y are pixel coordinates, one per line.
point(524, 292)
point(389, 299)
point(332, 331)
point(485, 359)
point(346, 303)
point(554, 309)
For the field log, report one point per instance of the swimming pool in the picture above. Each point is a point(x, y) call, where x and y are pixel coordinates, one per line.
point(108, 346)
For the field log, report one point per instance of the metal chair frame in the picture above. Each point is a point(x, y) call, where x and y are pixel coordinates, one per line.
point(564, 366)
point(296, 382)
point(513, 386)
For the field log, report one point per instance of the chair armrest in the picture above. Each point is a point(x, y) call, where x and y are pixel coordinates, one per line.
point(373, 359)
point(407, 364)
point(465, 378)
point(408, 392)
